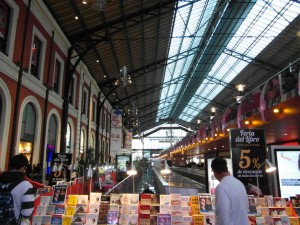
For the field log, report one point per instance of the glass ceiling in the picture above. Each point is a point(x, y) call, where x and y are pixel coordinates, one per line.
point(191, 21)
point(264, 22)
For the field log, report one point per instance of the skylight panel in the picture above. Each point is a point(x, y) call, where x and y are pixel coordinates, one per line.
point(261, 26)
point(190, 20)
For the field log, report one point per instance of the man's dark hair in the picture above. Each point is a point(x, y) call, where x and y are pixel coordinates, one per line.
point(18, 161)
point(219, 165)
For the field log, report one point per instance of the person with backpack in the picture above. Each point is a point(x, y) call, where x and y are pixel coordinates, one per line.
point(16, 193)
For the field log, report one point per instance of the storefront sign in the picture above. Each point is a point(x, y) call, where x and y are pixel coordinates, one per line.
point(64, 174)
point(248, 152)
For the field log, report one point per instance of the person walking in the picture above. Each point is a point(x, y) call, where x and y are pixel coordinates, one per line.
point(231, 199)
point(21, 190)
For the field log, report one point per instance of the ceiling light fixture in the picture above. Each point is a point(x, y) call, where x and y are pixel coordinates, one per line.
point(278, 110)
point(247, 122)
point(240, 87)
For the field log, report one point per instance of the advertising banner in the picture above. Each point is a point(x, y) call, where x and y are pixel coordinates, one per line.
point(248, 153)
point(287, 175)
point(128, 140)
point(116, 118)
point(64, 174)
point(115, 141)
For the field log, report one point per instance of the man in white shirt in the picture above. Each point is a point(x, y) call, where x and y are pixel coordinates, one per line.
point(231, 197)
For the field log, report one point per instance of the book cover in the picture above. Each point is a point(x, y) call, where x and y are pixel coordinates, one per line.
point(129, 209)
point(195, 209)
point(70, 210)
point(95, 197)
point(72, 200)
point(115, 199)
point(260, 202)
point(129, 219)
point(176, 210)
point(252, 206)
point(36, 220)
point(50, 209)
point(187, 220)
point(165, 209)
point(175, 199)
point(81, 208)
point(129, 199)
point(277, 221)
point(209, 219)
point(56, 219)
point(67, 219)
point(41, 210)
point(279, 202)
point(104, 207)
point(79, 217)
point(269, 200)
point(144, 219)
point(60, 209)
point(155, 199)
point(112, 217)
point(252, 219)
point(285, 220)
point(154, 209)
point(185, 201)
point(83, 199)
point(164, 218)
point(91, 218)
point(59, 194)
point(102, 219)
point(114, 208)
point(145, 209)
point(294, 221)
point(45, 200)
point(194, 200)
point(260, 220)
point(153, 219)
point(145, 199)
point(269, 220)
point(205, 203)
point(263, 211)
point(94, 207)
point(177, 220)
point(198, 219)
point(165, 199)
point(46, 220)
point(289, 211)
point(297, 211)
point(186, 210)
point(277, 211)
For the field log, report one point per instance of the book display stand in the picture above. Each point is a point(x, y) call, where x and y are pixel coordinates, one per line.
point(150, 209)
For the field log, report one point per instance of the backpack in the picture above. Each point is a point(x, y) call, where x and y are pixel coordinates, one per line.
point(7, 215)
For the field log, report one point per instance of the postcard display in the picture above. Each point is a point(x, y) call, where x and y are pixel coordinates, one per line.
point(152, 209)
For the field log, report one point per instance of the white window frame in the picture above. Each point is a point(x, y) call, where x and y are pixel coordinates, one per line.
point(61, 72)
point(38, 34)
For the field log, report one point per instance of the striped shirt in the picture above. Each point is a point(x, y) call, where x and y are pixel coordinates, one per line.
point(23, 195)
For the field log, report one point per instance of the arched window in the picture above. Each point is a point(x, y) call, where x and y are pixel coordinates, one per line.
point(52, 131)
point(102, 152)
point(68, 138)
point(93, 141)
point(106, 152)
point(27, 131)
point(82, 141)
